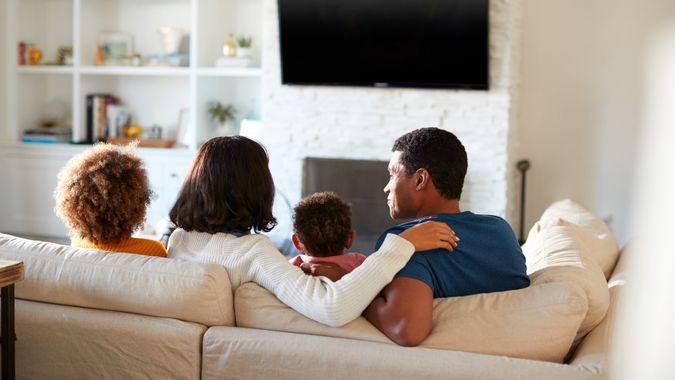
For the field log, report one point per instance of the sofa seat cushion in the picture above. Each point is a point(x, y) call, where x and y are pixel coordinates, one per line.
point(67, 342)
point(539, 322)
point(603, 247)
point(130, 283)
point(256, 354)
point(559, 253)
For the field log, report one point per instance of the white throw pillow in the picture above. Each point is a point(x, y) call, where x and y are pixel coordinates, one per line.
point(539, 322)
point(603, 247)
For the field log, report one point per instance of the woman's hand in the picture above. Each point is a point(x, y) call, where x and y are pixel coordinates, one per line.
point(431, 235)
point(330, 270)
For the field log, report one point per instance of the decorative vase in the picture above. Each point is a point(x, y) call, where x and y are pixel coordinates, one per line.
point(171, 38)
point(230, 47)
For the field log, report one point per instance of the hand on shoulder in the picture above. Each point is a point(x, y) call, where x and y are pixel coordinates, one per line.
point(431, 235)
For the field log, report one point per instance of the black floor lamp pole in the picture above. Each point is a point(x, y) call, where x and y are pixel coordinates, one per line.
point(523, 166)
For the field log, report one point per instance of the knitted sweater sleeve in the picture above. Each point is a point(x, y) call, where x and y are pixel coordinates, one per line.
point(318, 298)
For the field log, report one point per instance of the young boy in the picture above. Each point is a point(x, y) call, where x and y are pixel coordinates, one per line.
point(322, 230)
point(102, 195)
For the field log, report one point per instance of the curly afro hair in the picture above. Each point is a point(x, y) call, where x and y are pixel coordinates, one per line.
point(102, 194)
point(323, 222)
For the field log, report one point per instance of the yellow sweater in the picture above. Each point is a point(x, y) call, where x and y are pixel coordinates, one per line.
point(131, 245)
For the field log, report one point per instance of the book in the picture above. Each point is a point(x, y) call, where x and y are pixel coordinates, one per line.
point(97, 121)
point(47, 135)
point(99, 118)
point(49, 131)
point(115, 115)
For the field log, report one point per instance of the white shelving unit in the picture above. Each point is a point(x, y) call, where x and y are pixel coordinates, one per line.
point(153, 95)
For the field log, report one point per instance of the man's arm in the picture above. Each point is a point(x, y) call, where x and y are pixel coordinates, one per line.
point(403, 311)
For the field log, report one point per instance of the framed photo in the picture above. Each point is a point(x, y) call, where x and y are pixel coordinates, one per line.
point(117, 48)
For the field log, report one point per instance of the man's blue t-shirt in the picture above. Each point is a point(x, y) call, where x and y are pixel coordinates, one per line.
point(487, 258)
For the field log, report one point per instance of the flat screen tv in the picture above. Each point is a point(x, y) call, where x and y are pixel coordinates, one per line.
point(385, 43)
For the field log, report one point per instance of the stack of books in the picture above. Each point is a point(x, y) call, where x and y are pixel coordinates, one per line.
point(47, 135)
point(101, 123)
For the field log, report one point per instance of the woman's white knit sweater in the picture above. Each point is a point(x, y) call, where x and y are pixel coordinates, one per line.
point(254, 258)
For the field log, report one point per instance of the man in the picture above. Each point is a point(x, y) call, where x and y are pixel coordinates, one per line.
point(426, 175)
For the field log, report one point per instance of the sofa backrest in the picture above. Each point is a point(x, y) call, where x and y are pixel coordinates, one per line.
point(567, 299)
point(539, 322)
point(124, 282)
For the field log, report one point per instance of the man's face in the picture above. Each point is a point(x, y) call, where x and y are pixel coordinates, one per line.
point(400, 190)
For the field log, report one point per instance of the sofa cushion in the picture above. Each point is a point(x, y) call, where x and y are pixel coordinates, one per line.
point(239, 353)
point(66, 342)
point(603, 247)
point(121, 282)
point(558, 253)
point(539, 322)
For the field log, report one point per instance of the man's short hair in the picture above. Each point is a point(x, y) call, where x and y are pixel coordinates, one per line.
point(323, 222)
point(102, 194)
point(439, 152)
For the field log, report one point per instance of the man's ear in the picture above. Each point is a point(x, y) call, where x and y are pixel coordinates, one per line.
point(350, 240)
point(296, 242)
point(422, 179)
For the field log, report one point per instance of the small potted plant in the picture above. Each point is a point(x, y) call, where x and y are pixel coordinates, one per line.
point(223, 116)
point(244, 46)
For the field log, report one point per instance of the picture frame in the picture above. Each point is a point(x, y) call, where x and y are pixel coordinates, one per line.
point(117, 48)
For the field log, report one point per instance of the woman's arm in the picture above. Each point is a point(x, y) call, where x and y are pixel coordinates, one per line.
point(337, 303)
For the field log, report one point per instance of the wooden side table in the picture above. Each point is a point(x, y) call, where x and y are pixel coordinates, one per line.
point(11, 272)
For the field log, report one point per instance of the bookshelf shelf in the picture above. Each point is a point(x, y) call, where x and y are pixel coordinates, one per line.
point(253, 72)
point(134, 71)
point(155, 95)
point(45, 70)
point(162, 100)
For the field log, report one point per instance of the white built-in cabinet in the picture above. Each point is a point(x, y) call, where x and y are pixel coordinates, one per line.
point(29, 175)
point(154, 95)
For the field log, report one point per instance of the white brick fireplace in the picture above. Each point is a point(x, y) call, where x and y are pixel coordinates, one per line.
point(362, 123)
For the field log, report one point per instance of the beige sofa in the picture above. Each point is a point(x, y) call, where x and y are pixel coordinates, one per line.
point(85, 314)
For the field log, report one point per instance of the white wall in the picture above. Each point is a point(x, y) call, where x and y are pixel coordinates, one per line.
point(362, 123)
point(580, 101)
point(644, 341)
point(4, 57)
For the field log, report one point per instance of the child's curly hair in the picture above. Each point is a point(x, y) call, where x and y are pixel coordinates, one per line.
point(323, 222)
point(102, 194)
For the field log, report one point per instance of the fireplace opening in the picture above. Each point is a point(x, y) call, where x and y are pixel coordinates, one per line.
point(359, 182)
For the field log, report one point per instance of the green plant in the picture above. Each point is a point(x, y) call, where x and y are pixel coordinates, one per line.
point(221, 113)
point(244, 41)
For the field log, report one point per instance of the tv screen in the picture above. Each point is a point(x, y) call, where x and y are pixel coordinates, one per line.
point(385, 43)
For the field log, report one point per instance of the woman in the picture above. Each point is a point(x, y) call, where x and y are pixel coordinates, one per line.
point(229, 191)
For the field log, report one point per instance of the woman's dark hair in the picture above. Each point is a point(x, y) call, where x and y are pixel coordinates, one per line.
point(323, 222)
point(229, 188)
point(439, 152)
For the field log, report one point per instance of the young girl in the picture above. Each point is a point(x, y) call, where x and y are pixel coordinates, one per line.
point(229, 192)
point(102, 195)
